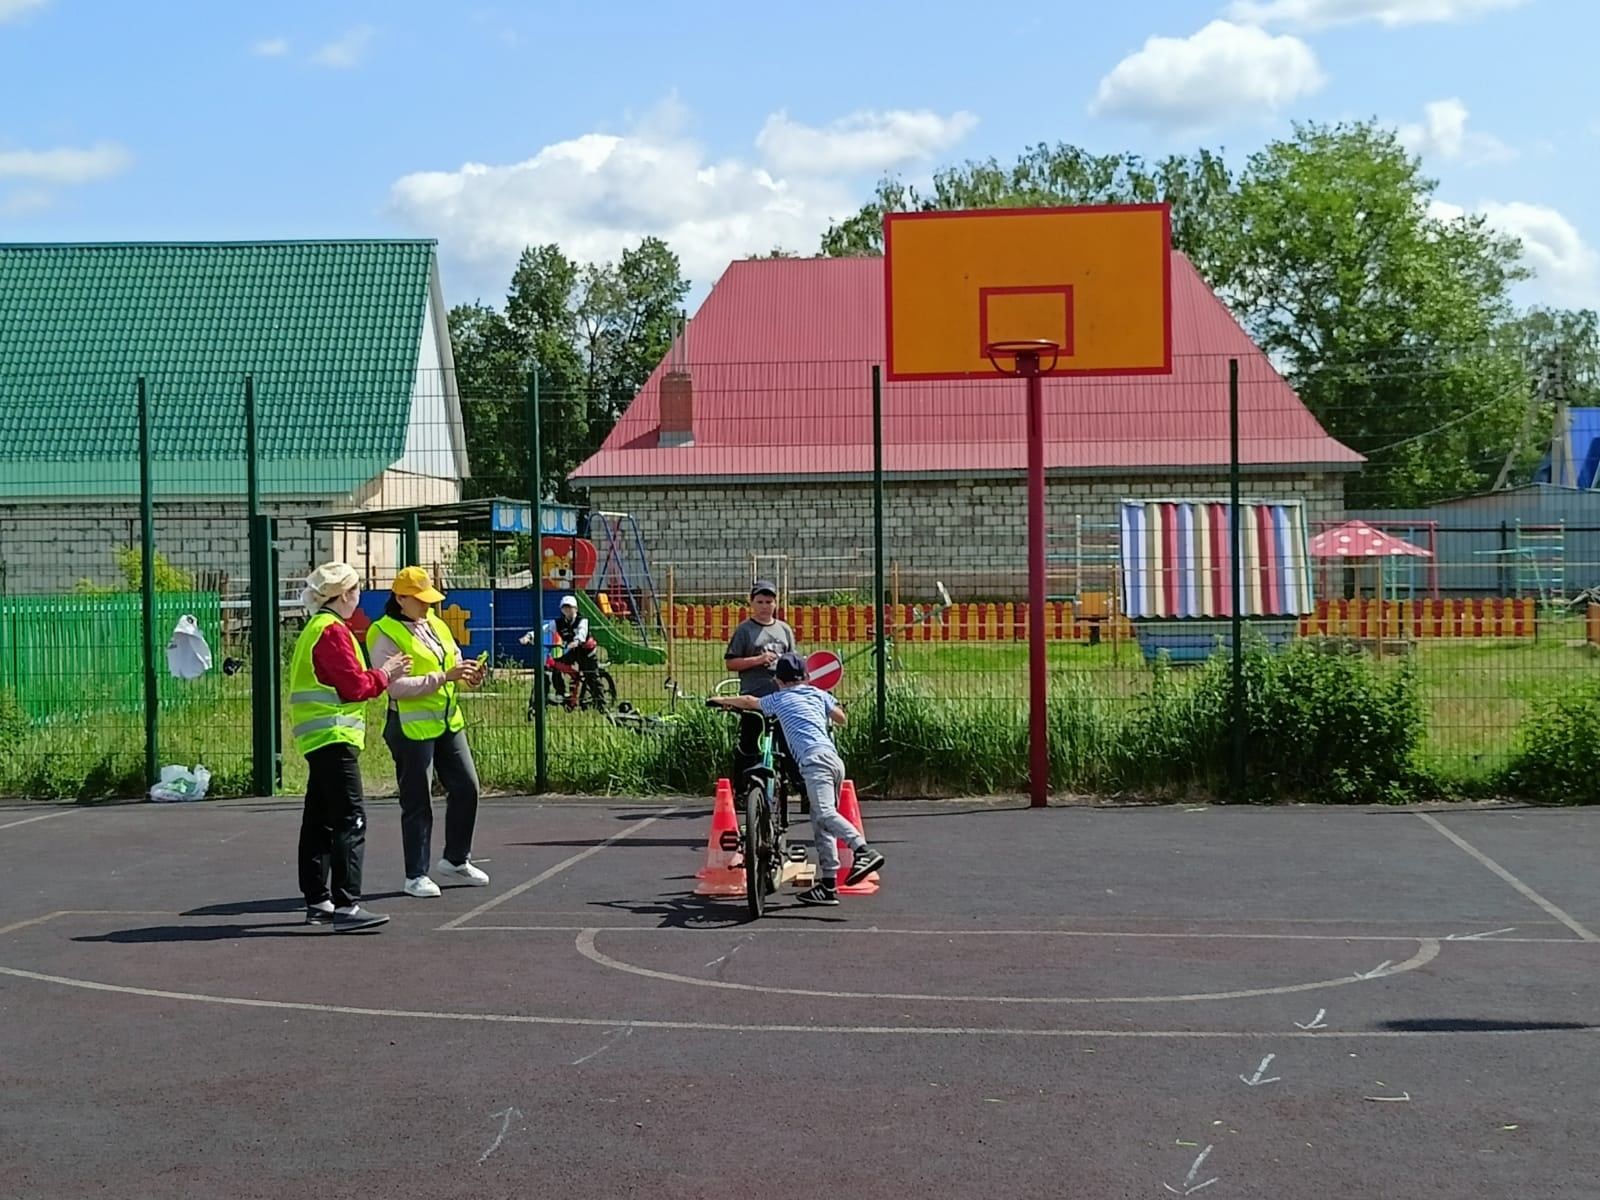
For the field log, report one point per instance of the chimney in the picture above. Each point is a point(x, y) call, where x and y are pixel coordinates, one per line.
point(677, 410)
point(677, 392)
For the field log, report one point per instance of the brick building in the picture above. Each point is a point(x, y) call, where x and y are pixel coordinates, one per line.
point(753, 437)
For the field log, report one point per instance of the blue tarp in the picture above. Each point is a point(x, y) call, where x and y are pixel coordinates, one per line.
point(1584, 428)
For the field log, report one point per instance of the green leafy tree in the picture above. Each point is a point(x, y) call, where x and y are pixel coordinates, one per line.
point(1384, 317)
point(595, 332)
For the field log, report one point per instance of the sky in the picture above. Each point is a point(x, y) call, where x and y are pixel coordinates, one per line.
point(730, 129)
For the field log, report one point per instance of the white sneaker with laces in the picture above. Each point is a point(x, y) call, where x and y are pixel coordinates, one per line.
point(422, 888)
point(465, 873)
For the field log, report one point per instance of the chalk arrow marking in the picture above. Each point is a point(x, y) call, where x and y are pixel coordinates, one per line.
point(1377, 971)
point(1256, 1080)
point(1316, 1021)
point(1189, 1185)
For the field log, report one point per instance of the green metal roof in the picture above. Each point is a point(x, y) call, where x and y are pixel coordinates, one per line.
point(330, 330)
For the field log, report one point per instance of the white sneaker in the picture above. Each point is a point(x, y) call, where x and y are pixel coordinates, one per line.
point(422, 888)
point(465, 873)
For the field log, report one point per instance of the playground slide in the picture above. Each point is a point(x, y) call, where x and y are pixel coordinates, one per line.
point(620, 644)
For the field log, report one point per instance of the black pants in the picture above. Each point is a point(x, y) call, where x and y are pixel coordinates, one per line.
point(414, 764)
point(333, 828)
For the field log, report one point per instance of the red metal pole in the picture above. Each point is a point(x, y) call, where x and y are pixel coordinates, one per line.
point(1039, 750)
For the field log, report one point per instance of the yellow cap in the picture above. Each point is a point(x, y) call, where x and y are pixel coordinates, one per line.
point(414, 581)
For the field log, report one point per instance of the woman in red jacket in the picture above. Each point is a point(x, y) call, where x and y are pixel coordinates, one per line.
point(329, 686)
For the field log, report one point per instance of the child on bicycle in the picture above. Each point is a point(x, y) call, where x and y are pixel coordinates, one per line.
point(804, 713)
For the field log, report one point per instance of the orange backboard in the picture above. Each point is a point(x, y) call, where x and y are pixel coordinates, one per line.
point(1095, 280)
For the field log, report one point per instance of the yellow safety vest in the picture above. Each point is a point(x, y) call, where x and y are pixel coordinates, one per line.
point(317, 717)
point(424, 718)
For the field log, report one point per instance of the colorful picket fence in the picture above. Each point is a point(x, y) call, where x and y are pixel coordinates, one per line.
point(1492, 617)
point(837, 625)
point(1177, 559)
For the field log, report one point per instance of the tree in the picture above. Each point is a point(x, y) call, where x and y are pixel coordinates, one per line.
point(489, 374)
point(595, 333)
point(1383, 316)
point(1560, 353)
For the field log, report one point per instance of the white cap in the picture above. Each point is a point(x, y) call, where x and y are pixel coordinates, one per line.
point(569, 601)
point(326, 582)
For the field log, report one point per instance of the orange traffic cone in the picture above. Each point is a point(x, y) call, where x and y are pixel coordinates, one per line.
point(850, 810)
point(719, 876)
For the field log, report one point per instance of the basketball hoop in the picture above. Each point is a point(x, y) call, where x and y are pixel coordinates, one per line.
point(1025, 355)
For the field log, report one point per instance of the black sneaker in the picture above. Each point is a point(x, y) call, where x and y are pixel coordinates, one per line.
point(319, 914)
point(819, 894)
point(356, 920)
point(867, 860)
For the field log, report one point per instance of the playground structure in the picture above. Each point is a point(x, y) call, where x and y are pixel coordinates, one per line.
point(1536, 559)
point(489, 608)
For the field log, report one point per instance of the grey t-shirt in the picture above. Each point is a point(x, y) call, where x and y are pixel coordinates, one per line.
point(752, 638)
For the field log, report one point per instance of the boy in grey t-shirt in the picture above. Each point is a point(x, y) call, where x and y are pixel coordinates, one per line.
point(753, 651)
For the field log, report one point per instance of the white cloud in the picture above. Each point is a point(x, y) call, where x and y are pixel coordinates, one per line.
point(65, 165)
point(1222, 72)
point(1321, 14)
point(347, 51)
point(271, 47)
point(863, 141)
point(596, 194)
point(10, 10)
point(1566, 268)
point(24, 201)
point(1443, 134)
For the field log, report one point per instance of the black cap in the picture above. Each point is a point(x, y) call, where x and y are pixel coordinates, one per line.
point(790, 668)
point(763, 585)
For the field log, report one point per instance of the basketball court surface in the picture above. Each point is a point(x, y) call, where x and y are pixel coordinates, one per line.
point(1077, 1001)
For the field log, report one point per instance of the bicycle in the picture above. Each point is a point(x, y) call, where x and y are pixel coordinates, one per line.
point(762, 839)
point(597, 690)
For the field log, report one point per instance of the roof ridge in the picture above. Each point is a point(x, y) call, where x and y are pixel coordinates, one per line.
point(197, 245)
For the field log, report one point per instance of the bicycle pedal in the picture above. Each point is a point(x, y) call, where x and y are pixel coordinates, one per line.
point(729, 839)
point(797, 854)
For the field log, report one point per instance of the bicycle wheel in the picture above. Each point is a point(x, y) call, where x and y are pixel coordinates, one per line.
point(755, 838)
point(600, 693)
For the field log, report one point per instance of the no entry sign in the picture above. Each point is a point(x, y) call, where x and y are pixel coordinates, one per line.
point(824, 669)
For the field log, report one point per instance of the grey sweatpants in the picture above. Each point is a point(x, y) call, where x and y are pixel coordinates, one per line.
point(823, 773)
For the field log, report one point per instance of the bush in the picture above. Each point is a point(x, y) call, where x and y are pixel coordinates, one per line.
point(1558, 749)
point(1317, 726)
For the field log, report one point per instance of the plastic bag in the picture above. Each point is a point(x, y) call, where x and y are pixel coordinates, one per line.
point(180, 783)
point(188, 656)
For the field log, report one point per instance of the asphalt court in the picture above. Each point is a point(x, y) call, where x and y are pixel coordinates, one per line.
point(1083, 1000)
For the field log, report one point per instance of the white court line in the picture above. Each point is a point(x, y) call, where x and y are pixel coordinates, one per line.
point(830, 930)
point(553, 871)
point(1427, 951)
point(1522, 888)
point(65, 812)
point(729, 1027)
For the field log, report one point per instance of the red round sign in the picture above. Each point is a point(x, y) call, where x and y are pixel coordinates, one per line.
point(824, 670)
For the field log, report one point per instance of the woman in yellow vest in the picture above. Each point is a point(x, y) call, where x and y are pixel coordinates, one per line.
point(329, 686)
point(424, 732)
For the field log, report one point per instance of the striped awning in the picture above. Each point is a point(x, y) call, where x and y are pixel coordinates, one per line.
point(1177, 559)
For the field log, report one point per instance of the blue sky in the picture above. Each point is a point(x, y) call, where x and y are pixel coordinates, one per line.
point(731, 128)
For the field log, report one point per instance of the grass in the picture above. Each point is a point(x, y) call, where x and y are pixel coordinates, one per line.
point(957, 713)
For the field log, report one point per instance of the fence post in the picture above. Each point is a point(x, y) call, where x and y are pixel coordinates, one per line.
point(411, 547)
point(1236, 705)
point(541, 761)
point(264, 711)
point(880, 622)
point(147, 589)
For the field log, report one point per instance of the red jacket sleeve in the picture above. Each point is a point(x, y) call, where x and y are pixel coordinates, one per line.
point(336, 664)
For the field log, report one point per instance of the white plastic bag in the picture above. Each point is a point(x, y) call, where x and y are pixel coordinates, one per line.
point(188, 656)
point(179, 783)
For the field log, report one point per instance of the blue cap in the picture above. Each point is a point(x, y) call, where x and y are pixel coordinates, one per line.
point(763, 585)
point(790, 668)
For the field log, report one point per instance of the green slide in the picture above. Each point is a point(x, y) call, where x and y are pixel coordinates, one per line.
point(620, 644)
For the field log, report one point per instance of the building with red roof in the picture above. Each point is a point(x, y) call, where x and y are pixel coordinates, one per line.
point(753, 437)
